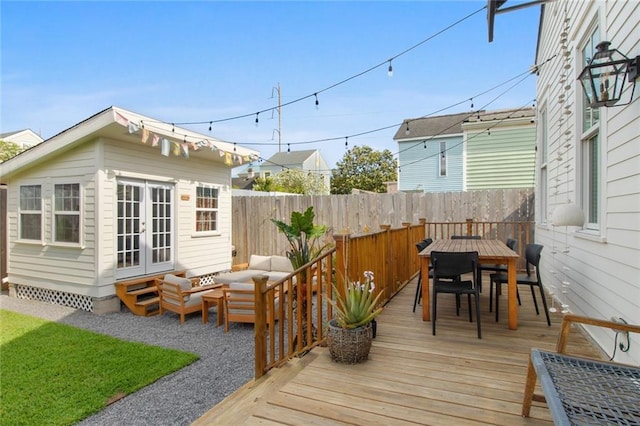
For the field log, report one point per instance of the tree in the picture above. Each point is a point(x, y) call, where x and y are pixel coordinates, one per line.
point(363, 168)
point(294, 181)
point(298, 181)
point(265, 184)
point(9, 150)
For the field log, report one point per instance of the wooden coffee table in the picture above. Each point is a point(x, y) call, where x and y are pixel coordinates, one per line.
point(216, 296)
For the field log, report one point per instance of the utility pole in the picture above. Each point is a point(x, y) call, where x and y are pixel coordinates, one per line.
point(279, 111)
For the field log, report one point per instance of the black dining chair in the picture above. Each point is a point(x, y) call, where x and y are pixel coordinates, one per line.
point(512, 243)
point(532, 254)
point(455, 264)
point(421, 246)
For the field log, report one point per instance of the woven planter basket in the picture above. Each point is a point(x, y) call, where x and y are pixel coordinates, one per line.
point(349, 346)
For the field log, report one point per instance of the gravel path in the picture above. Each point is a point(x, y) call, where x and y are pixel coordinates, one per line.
point(226, 361)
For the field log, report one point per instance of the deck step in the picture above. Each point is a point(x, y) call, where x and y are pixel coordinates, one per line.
point(143, 291)
point(148, 302)
point(140, 294)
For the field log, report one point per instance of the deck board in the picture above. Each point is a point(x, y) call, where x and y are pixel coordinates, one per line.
point(411, 376)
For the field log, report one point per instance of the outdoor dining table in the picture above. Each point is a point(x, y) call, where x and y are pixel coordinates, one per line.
point(489, 252)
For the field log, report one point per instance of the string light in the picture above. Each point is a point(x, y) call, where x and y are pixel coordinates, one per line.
point(450, 26)
point(173, 128)
point(257, 120)
point(210, 123)
point(390, 69)
point(346, 141)
point(407, 131)
point(317, 102)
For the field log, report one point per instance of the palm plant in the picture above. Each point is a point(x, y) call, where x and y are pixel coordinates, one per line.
point(304, 237)
point(305, 240)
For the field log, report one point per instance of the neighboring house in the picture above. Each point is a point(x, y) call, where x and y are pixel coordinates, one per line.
point(309, 160)
point(589, 157)
point(468, 151)
point(118, 195)
point(24, 138)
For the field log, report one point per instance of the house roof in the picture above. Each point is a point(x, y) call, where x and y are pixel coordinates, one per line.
point(454, 123)
point(243, 182)
point(431, 126)
point(128, 126)
point(292, 158)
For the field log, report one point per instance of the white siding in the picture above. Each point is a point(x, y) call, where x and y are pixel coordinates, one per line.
point(197, 254)
point(604, 267)
point(69, 269)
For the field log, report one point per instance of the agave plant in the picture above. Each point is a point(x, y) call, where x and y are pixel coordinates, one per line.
point(356, 305)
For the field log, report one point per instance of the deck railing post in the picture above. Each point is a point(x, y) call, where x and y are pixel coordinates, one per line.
point(469, 226)
point(260, 326)
point(342, 259)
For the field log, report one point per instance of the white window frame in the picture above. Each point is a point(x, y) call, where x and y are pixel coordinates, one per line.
point(22, 212)
point(207, 209)
point(543, 177)
point(442, 158)
point(55, 212)
point(590, 190)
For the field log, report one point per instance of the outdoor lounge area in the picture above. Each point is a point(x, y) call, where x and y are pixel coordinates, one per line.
point(411, 376)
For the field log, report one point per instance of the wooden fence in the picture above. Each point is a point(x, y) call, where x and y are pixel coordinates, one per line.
point(358, 214)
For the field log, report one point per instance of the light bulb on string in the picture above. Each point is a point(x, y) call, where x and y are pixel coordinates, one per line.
point(317, 102)
point(210, 123)
point(471, 103)
point(346, 141)
point(142, 124)
point(288, 148)
point(390, 69)
point(424, 144)
point(407, 131)
point(234, 147)
point(257, 119)
point(173, 127)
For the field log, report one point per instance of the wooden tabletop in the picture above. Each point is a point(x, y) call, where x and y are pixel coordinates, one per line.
point(487, 249)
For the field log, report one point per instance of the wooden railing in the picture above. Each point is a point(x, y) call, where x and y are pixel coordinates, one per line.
point(302, 310)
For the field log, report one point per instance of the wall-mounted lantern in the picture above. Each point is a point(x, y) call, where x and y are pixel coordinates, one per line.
point(604, 77)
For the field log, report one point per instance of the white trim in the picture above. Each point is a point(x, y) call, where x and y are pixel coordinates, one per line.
point(79, 213)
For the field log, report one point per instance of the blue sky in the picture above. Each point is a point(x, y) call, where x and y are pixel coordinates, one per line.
point(210, 61)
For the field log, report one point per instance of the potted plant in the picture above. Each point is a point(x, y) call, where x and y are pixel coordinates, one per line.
point(350, 333)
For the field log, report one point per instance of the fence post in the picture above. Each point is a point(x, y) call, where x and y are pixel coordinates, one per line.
point(342, 257)
point(260, 326)
point(387, 256)
point(469, 226)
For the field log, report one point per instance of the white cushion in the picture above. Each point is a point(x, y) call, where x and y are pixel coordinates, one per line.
point(184, 283)
point(260, 262)
point(281, 264)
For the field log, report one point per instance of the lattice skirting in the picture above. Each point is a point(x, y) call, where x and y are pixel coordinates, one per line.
point(55, 297)
point(207, 279)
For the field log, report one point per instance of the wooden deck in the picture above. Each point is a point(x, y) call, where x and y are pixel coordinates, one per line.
point(411, 377)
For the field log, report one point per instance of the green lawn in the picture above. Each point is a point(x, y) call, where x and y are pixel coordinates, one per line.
point(55, 374)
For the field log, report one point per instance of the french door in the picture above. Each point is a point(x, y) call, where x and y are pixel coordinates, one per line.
point(144, 231)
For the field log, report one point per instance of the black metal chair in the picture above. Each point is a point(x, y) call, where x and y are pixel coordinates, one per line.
point(532, 255)
point(421, 246)
point(455, 264)
point(512, 244)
